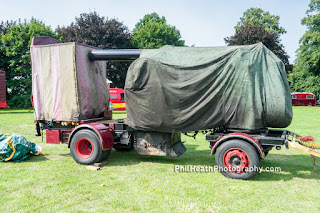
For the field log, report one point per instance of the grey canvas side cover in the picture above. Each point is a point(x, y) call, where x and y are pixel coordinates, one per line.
point(181, 89)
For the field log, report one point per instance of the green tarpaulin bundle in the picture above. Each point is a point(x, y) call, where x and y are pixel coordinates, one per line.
point(17, 148)
point(181, 89)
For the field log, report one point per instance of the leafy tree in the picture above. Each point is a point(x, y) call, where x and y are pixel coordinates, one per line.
point(257, 16)
point(152, 31)
point(104, 33)
point(306, 71)
point(251, 34)
point(15, 43)
point(4, 26)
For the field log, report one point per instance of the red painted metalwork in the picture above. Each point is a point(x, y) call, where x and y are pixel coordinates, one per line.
point(3, 90)
point(84, 148)
point(3, 104)
point(57, 136)
point(239, 135)
point(236, 160)
point(102, 131)
point(107, 139)
point(116, 97)
point(303, 98)
point(53, 136)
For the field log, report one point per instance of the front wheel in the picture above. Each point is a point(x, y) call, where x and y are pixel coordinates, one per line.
point(85, 147)
point(237, 159)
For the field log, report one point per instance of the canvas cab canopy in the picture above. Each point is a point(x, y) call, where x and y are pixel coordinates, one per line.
point(66, 85)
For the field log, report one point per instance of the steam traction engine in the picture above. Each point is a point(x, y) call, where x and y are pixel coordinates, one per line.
point(70, 99)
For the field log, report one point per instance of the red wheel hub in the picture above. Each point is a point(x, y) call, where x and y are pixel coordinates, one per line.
point(84, 148)
point(236, 160)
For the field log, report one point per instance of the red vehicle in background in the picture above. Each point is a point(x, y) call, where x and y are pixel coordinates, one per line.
point(303, 98)
point(3, 90)
point(117, 99)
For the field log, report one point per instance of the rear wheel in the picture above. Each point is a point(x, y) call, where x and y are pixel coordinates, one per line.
point(85, 147)
point(237, 159)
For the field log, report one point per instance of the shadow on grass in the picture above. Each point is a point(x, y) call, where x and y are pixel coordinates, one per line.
point(15, 112)
point(33, 158)
point(65, 154)
point(38, 158)
point(292, 166)
point(190, 157)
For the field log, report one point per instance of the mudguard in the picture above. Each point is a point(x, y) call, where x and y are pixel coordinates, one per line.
point(241, 136)
point(104, 133)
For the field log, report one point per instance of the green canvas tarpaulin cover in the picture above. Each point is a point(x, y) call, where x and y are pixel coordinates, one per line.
point(16, 148)
point(181, 89)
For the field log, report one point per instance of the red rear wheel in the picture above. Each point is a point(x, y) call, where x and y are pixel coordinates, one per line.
point(237, 159)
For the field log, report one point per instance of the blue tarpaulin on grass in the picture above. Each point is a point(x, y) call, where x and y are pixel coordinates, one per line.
point(16, 148)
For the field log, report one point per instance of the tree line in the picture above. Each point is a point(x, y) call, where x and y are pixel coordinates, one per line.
point(153, 31)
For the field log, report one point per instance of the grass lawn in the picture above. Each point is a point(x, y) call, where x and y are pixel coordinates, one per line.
point(132, 183)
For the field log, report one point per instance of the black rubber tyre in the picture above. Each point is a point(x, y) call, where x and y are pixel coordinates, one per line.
point(85, 147)
point(105, 155)
point(240, 156)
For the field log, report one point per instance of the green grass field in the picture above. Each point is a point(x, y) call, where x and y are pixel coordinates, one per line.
point(132, 183)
